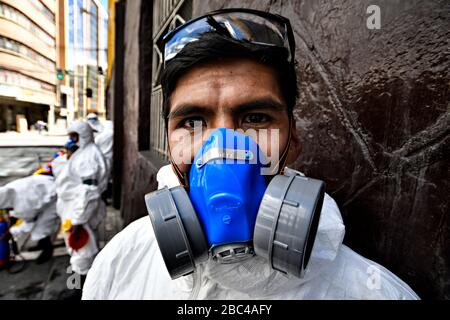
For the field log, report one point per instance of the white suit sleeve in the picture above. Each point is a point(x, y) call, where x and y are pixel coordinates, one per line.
point(86, 204)
point(89, 190)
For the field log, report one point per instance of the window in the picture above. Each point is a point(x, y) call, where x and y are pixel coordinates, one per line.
point(17, 79)
point(71, 35)
point(79, 36)
point(92, 82)
point(167, 15)
point(93, 31)
point(12, 14)
point(17, 47)
point(79, 71)
point(41, 7)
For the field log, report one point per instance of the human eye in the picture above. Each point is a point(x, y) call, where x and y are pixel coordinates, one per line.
point(256, 119)
point(193, 122)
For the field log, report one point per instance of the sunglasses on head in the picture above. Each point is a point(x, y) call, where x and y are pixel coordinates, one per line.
point(246, 25)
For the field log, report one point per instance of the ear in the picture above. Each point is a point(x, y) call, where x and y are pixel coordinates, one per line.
point(295, 147)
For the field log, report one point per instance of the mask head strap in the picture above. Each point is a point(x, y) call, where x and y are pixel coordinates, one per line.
point(284, 154)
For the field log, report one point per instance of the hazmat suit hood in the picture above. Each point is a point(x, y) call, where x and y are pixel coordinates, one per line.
point(84, 130)
point(28, 196)
point(96, 125)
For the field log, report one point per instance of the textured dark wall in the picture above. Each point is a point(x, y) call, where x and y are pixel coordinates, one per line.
point(374, 118)
point(138, 173)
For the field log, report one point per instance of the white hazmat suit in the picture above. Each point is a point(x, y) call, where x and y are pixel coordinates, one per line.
point(131, 267)
point(94, 122)
point(79, 184)
point(33, 199)
point(104, 141)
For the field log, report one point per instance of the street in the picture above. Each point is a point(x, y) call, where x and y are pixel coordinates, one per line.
point(49, 280)
point(20, 155)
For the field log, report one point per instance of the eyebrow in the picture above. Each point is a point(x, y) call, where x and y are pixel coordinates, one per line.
point(185, 110)
point(260, 104)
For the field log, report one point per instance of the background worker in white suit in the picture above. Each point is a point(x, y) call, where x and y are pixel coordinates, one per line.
point(80, 180)
point(33, 200)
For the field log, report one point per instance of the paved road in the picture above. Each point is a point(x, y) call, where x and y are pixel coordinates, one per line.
point(49, 280)
point(21, 154)
point(30, 139)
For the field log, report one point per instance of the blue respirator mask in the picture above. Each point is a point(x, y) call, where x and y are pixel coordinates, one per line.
point(71, 145)
point(231, 211)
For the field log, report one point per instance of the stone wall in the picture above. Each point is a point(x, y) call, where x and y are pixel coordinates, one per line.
point(374, 118)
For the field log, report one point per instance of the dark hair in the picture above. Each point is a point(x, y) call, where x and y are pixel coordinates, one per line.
point(213, 46)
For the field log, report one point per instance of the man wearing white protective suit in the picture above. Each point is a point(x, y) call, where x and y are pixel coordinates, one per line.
point(103, 133)
point(104, 141)
point(229, 220)
point(33, 199)
point(93, 120)
point(80, 180)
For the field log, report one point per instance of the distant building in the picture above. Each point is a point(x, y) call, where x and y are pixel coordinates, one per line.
point(27, 63)
point(83, 57)
point(53, 61)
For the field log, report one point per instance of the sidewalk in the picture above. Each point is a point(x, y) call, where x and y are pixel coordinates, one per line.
point(32, 139)
point(49, 280)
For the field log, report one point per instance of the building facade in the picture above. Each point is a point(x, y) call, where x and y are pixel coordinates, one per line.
point(83, 53)
point(28, 60)
point(373, 117)
point(52, 62)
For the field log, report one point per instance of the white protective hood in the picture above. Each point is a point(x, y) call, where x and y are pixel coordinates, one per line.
point(28, 196)
point(94, 122)
point(88, 162)
point(84, 131)
point(131, 267)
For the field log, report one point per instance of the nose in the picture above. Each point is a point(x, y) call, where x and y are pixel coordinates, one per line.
point(224, 120)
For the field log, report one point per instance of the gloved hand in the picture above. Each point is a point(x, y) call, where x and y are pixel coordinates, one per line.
point(78, 237)
point(76, 232)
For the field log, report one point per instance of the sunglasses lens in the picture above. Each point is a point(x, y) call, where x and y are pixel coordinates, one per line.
point(241, 26)
point(184, 36)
